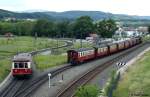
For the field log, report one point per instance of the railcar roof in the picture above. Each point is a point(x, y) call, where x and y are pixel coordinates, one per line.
point(22, 57)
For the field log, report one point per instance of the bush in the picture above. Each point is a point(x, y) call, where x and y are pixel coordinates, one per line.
point(88, 91)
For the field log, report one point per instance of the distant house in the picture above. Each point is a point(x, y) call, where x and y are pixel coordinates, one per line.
point(8, 35)
point(92, 37)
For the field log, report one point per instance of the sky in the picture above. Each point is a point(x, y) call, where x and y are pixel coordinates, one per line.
point(130, 7)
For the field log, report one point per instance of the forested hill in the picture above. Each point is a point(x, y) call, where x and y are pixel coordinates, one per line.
point(95, 15)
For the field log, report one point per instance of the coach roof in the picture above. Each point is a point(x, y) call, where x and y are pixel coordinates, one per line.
point(82, 49)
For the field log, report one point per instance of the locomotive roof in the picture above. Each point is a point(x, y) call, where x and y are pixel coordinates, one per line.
point(82, 49)
point(22, 57)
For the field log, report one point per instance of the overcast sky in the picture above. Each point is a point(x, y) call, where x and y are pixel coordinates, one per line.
point(131, 7)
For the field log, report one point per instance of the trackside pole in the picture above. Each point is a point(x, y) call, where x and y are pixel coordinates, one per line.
point(49, 77)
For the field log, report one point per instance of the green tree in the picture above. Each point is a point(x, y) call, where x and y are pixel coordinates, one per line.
point(106, 28)
point(0, 29)
point(23, 28)
point(44, 27)
point(83, 26)
point(63, 28)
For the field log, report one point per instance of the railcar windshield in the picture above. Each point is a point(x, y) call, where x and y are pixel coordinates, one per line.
point(21, 65)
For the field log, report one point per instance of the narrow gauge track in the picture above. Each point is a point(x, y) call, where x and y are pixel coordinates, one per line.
point(17, 86)
point(86, 77)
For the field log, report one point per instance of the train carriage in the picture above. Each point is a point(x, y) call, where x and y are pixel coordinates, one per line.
point(101, 51)
point(127, 44)
point(80, 55)
point(112, 48)
point(121, 45)
point(22, 64)
point(131, 43)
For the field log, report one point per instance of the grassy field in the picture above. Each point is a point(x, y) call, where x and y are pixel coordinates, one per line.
point(10, 47)
point(47, 61)
point(24, 44)
point(136, 80)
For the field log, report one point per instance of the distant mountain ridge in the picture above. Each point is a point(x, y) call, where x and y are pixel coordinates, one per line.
point(95, 15)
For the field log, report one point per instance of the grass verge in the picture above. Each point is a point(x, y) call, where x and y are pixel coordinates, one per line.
point(136, 81)
point(4, 68)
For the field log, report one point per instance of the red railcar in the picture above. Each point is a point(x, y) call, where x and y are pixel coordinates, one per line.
point(22, 65)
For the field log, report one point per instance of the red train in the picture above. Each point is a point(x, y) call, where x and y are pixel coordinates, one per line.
point(22, 64)
point(84, 54)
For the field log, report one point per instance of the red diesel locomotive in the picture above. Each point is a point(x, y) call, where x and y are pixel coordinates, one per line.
point(22, 65)
point(84, 54)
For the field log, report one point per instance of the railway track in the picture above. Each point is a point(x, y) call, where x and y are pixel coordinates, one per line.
point(15, 85)
point(86, 77)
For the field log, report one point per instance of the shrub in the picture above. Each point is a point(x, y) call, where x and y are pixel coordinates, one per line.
point(88, 91)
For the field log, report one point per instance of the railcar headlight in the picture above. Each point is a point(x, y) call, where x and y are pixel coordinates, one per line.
point(15, 70)
point(26, 70)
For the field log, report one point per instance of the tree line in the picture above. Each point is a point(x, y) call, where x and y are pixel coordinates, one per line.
point(80, 28)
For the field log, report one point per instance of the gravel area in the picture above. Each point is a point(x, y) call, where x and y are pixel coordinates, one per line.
point(69, 75)
point(101, 79)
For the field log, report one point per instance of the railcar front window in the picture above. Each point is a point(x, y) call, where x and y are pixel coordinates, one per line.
point(21, 65)
point(15, 65)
